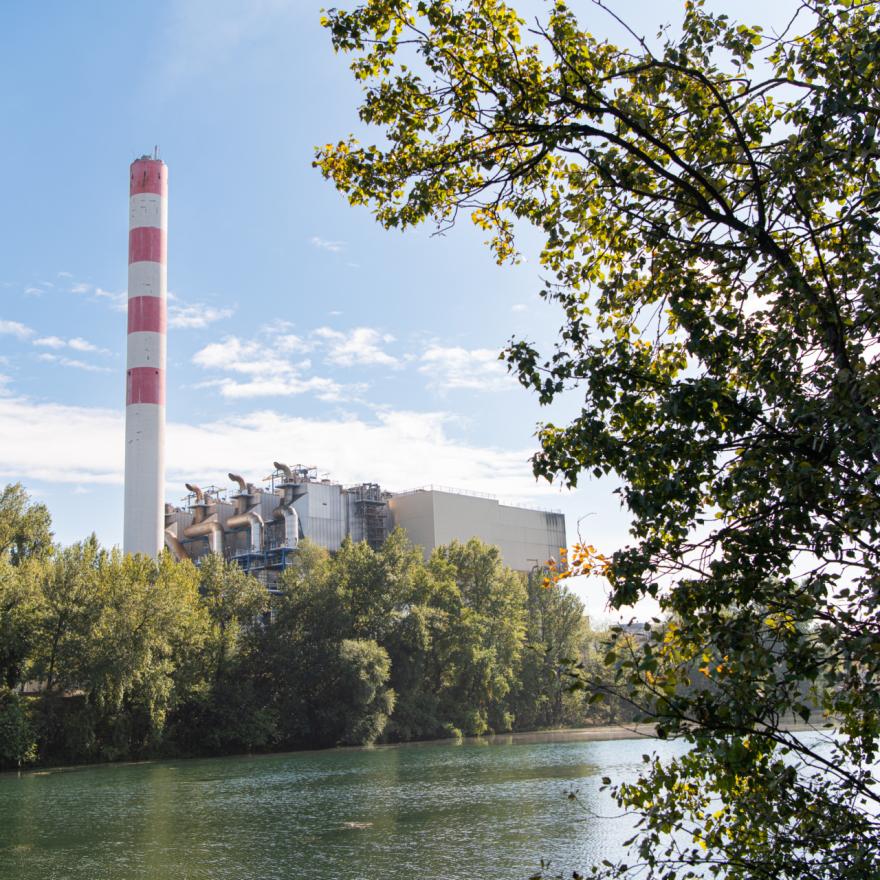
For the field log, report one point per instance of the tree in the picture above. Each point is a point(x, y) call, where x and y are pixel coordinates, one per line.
point(480, 650)
point(708, 205)
point(19, 615)
point(25, 527)
point(234, 602)
point(556, 635)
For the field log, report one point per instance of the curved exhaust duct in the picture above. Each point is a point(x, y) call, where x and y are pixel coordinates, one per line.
point(288, 473)
point(200, 496)
point(291, 525)
point(178, 551)
point(198, 509)
point(253, 520)
point(246, 515)
point(209, 528)
point(242, 485)
point(205, 522)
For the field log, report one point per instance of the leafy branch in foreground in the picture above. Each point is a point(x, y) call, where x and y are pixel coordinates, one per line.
point(709, 211)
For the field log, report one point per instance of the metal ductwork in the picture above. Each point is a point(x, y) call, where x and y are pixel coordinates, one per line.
point(290, 519)
point(246, 515)
point(205, 522)
point(285, 511)
point(198, 508)
point(288, 473)
point(178, 551)
point(209, 528)
point(200, 496)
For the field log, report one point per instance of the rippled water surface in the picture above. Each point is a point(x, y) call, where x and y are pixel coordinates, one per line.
point(453, 811)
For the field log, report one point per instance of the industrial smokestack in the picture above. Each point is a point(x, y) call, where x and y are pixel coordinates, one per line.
point(145, 367)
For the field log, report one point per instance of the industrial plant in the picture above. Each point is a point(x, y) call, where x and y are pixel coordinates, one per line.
point(260, 527)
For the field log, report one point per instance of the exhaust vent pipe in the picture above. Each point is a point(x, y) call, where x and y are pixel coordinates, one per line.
point(288, 473)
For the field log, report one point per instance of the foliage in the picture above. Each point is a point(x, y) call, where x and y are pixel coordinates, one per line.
point(126, 657)
point(709, 213)
point(17, 743)
point(24, 526)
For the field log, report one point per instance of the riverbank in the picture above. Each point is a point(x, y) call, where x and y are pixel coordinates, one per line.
point(560, 735)
point(599, 733)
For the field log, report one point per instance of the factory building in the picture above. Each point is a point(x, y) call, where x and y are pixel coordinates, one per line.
point(433, 516)
point(260, 528)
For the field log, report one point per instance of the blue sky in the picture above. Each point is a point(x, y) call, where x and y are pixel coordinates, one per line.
point(300, 330)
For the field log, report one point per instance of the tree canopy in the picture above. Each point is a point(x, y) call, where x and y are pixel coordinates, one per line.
point(708, 205)
point(111, 657)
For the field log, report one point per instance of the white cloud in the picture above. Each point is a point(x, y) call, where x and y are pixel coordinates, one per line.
point(189, 316)
point(323, 388)
point(519, 307)
point(77, 344)
point(14, 328)
point(236, 356)
point(65, 275)
point(324, 244)
point(117, 301)
point(80, 287)
point(290, 343)
point(478, 369)
point(33, 291)
point(360, 346)
point(269, 372)
point(73, 363)
point(85, 446)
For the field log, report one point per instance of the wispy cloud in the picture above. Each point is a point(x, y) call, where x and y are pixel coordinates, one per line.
point(361, 346)
point(80, 287)
point(324, 244)
point(194, 316)
point(14, 328)
point(50, 342)
point(73, 363)
point(519, 307)
point(476, 369)
point(117, 300)
point(77, 344)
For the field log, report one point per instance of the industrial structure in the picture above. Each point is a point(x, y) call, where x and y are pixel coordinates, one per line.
point(260, 527)
point(145, 363)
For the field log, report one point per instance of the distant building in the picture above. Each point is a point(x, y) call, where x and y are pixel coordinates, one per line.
point(260, 528)
point(435, 516)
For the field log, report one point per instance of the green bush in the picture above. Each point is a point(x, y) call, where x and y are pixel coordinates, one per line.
point(17, 741)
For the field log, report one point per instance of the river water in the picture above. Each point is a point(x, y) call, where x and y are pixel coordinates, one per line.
point(448, 811)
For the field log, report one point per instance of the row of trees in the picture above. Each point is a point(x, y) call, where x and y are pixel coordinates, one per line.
point(105, 657)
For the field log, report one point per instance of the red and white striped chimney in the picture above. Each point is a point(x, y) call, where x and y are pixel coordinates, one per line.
point(145, 368)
